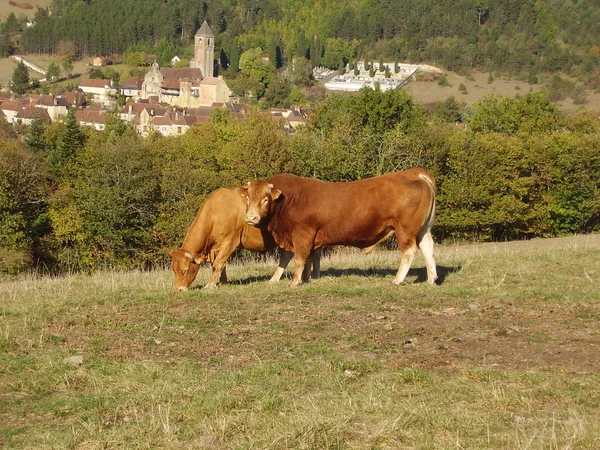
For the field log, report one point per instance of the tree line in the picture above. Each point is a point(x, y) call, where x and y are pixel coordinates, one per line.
point(525, 38)
point(73, 199)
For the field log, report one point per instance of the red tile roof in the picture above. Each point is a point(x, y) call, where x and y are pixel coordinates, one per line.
point(92, 82)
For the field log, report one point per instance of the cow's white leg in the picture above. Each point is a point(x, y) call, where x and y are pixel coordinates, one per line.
point(426, 246)
point(284, 259)
point(408, 247)
point(316, 263)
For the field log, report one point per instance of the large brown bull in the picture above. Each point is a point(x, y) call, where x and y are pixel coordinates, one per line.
point(304, 214)
point(218, 229)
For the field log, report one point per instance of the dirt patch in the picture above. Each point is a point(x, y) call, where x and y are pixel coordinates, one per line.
point(501, 337)
point(20, 5)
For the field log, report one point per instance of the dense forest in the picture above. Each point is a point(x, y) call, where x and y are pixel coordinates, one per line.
point(74, 199)
point(517, 37)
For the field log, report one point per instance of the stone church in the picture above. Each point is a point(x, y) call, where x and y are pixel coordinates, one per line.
point(189, 87)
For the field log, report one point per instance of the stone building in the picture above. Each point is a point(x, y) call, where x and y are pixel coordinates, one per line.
point(189, 87)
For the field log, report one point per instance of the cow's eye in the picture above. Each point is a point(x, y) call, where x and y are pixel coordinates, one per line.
point(185, 271)
point(264, 201)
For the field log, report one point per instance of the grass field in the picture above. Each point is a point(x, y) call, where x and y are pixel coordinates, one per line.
point(26, 8)
point(503, 354)
point(477, 88)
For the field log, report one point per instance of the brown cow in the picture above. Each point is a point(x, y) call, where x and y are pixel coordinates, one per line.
point(216, 232)
point(304, 213)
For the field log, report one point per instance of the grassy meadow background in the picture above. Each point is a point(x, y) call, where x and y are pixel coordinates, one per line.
point(503, 353)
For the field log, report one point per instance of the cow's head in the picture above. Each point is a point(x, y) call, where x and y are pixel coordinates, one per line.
point(259, 196)
point(185, 266)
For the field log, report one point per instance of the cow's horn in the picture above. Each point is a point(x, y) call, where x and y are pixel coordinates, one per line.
point(189, 256)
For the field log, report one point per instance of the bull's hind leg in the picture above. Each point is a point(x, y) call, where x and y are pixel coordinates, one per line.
point(426, 246)
point(408, 247)
point(316, 263)
point(284, 259)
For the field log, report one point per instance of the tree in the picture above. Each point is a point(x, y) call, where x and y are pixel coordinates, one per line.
point(277, 94)
point(253, 65)
point(19, 82)
point(68, 144)
point(24, 187)
point(52, 75)
point(67, 66)
point(6, 44)
point(35, 139)
point(482, 7)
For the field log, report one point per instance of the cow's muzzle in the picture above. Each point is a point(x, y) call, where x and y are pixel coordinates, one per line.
point(252, 219)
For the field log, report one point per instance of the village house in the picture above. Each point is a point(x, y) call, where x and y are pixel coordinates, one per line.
point(10, 108)
point(29, 114)
point(291, 117)
point(101, 91)
point(91, 117)
point(56, 107)
point(100, 61)
point(132, 88)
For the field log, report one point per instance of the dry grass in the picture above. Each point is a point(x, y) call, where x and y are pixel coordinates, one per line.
point(504, 353)
point(478, 88)
point(6, 8)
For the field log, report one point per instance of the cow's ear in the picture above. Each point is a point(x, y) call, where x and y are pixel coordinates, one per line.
point(242, 190)
point(275, 193)
point(172, 253)
point(199, 258)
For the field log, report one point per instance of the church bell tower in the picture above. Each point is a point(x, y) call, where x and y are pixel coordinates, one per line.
point(204, 51)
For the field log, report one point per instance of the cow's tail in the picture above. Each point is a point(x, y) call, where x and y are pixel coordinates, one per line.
point(428, 223)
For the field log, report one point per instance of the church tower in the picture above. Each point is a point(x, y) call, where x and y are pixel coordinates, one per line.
point(204, 51)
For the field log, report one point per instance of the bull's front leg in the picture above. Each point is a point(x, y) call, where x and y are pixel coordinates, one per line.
point(300, 262)
point(301, 257)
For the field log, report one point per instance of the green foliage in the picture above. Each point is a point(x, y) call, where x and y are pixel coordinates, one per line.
point(278, 92)
point(520, 169)
point(448, 111)
point(443, 80)
point(532, 112)
point(97, 74)
point(68, 144)
point(67, 66)
point(53, 72)
point(19, 82)
point(35, 139)
point(24, 188)
point(113, 205)
point(255, 67)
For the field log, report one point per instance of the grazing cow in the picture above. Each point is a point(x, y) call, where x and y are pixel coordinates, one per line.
point(218, 229)
point(303, 213)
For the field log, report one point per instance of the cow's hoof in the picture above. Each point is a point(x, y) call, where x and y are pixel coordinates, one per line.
point(210, 286)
